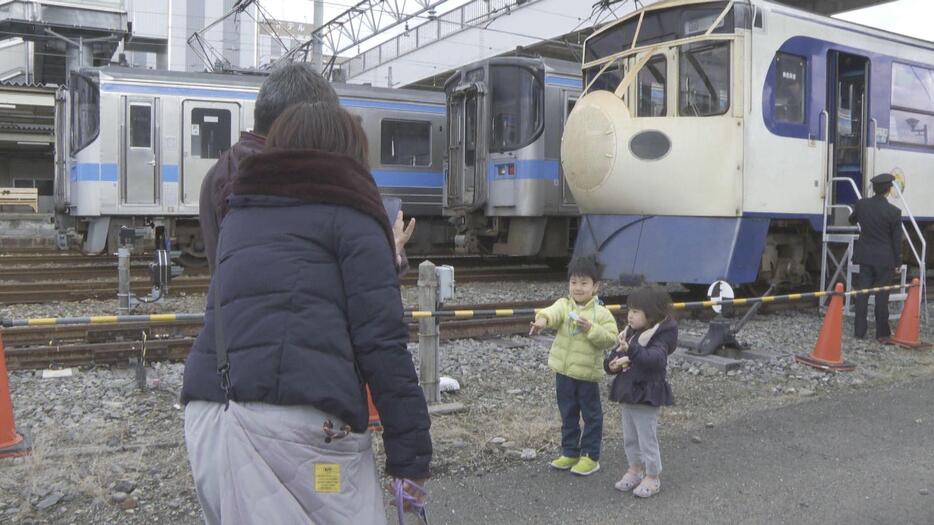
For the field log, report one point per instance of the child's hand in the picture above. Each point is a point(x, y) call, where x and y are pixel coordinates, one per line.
point(619, 363)
point(621, 339)
point(537, 326)
point(583, 324)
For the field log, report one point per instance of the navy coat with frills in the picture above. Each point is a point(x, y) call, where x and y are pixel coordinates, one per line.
point(645, 381)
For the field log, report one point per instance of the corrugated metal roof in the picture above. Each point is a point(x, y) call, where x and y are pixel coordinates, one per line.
point(31, 86)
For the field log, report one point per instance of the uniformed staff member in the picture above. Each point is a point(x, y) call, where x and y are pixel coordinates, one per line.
point(878, 252)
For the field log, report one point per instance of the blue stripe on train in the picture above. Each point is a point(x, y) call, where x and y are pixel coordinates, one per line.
point(541, 169)
point(384, 178)
point(141, 89)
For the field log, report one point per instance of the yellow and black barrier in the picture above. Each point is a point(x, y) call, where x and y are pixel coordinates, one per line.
point(101, 319)
point(439, 314)
point(528, 312)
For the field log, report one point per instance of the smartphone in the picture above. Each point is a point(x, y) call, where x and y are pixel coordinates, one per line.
point(392, 205)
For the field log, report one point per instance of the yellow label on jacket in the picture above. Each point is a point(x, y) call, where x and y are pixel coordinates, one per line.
point(327, 478)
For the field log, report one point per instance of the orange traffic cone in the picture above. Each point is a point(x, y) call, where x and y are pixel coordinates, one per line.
point(908, 332)
point(374, 423)
point(11, 443)
point(827, 354)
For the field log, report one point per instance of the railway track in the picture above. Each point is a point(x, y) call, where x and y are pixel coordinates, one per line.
point(37, 347)
point(37, 288)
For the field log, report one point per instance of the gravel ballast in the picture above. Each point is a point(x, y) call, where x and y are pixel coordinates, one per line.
point(106, 452)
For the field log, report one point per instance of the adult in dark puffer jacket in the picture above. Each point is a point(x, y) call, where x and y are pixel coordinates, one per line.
point(310, 311)
point(288, 85)
point(639, 363)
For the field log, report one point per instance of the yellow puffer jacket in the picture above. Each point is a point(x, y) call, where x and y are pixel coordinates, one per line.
point(576, 353)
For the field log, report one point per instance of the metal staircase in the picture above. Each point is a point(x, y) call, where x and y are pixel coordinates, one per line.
point(838, 237)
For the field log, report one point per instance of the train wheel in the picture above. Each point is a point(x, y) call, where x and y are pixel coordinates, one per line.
point(187, 260)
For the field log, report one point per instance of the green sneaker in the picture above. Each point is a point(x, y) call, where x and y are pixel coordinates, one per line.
point(585, 466)
point(564, 463)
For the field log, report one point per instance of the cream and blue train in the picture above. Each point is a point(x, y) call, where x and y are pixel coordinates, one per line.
point(141, 142)
point(709, 134)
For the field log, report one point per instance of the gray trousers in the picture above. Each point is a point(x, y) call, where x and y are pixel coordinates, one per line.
point(264, 464)
point(640, 439)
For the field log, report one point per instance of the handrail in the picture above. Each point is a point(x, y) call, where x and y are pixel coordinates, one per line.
point(874, 145)
point(825, 154)
point(920, 257)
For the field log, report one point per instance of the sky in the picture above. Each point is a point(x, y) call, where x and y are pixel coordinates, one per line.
point(910, 17)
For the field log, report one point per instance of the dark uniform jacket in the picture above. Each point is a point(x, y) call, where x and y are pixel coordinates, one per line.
point(880, 236)
point(310, 302)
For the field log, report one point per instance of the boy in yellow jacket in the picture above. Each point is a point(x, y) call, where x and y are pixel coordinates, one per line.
point(585, 330)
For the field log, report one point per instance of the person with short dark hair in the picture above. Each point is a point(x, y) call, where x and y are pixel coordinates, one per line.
point(878, 252)
point(585, 330)
point(303, 310)
point(290, 84)
point(641, 386)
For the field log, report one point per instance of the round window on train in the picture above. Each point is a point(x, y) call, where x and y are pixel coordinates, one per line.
point(650, 145)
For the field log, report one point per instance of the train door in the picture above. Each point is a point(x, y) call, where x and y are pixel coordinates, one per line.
point(467, 146)
point(140, 180)
point(567, 198)
point(849, 83)
point(209, 129)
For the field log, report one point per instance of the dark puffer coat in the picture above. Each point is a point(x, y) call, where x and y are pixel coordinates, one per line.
point(311, 304)
point(645, 381)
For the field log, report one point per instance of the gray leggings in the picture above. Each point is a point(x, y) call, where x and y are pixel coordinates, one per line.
point(640, 439)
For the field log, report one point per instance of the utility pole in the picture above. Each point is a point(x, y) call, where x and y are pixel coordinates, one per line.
point(316, 51)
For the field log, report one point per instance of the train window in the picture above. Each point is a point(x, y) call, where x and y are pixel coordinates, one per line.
point(569, 107)
point(470, 135)
point(909, 127)
point(405, 142)
point(516, 107)
point(607, 81)
point(790, 72)
point(611, 41)
point(704, 79)
point(85, 111)
point(653, 92)
point(140, 126)
point(911, 121)
point(662, 25)
point(210, 132)
point(913, 87)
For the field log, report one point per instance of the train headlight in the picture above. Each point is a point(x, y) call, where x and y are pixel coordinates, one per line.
point(588, 147)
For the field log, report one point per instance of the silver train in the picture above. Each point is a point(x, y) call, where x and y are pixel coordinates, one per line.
point(504, 188)
point(141, 142)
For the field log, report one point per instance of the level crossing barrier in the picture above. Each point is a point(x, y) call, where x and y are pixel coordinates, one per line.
point(691, 305)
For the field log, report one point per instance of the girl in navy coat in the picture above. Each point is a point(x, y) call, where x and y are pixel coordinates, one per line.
point(639, 364)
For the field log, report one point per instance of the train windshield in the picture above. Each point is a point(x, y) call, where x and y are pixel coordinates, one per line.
point(704, 79)
point(516, 107)
point(85, 111)
point(663, 25)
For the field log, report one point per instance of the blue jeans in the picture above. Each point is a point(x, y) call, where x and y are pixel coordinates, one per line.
point(578, 399)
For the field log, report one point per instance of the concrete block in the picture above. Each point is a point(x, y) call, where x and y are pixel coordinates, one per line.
point(723, 364)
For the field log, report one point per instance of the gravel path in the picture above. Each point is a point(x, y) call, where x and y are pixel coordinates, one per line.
point(106, 452)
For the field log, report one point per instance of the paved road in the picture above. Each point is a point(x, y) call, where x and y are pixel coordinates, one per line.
point(856, 458)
